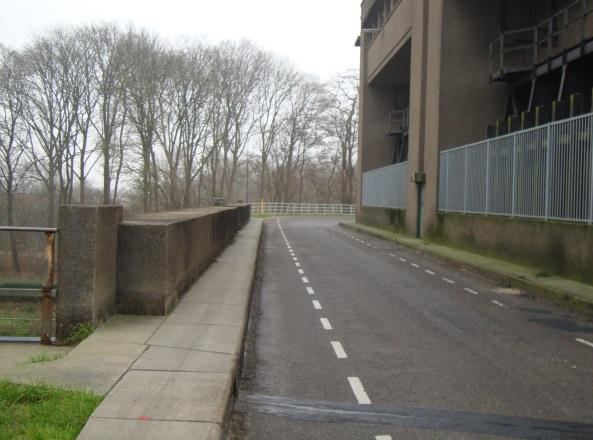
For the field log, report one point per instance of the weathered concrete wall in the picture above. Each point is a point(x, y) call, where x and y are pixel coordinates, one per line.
point(160, 255)
point(87, 250)
point(384, 218)
point(564, 249)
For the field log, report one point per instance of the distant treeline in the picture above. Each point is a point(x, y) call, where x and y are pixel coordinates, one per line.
point(102, 114)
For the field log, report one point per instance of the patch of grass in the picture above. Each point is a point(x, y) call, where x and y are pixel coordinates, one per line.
point(44, 356)
point(79, 333)
point(543, 274)
point(19, 317)
point(42, 412)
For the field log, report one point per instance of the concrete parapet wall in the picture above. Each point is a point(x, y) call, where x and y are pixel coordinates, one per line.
point(160, 255)
point(384, 218)
point(87, 250)
point(560, 248)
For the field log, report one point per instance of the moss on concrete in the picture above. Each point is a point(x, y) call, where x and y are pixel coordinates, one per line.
point(388, 219)
point(559, 248)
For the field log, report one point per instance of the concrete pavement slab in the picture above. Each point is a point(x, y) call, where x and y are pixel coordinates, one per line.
point(167, 395)
point(94, 366)
point(128, 329)
point(196, 313)
point(216, 338)
point(178, 359)
point(216, 296)
point(227, 276)
point(117, 429)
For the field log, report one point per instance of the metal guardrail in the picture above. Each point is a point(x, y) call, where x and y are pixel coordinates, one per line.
point(47, 292)
point(279, 208)
point(397, 121)
point(520, 50)
point(386, 187)
point(544, 172)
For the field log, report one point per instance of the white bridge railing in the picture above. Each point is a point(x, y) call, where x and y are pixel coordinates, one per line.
point(278, 208)
point(544, 172)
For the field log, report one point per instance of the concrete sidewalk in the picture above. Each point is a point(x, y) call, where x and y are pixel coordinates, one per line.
point(181, 385)
point(577, 297)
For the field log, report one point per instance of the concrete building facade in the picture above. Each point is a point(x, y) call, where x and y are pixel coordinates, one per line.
point(441, 74)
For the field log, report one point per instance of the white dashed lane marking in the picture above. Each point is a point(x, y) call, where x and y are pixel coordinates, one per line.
point(468, 290)
point(340, 352)
point(305, 280)
point(582, 341)
point(326, 324)
point(392, 255)
point(358, 390)
point(310, 291)
point(499, 304)
point(447, 280)
point(316, 305)
point(414, 265)
point(383, 437)
point(301, 271)
point(429, 272)
point(297, 264)
point(403, 260)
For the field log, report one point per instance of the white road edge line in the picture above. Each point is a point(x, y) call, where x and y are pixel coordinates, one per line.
point(358, 390)
point(316, 305)
point(310, 291)
point(429, 272)
point(305, 280)
point(326, 324)
point(473, 292)
point(447, 280)
point(582, 341)
point(340, 353)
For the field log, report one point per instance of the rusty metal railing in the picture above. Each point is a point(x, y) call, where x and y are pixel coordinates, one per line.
point(48, 291)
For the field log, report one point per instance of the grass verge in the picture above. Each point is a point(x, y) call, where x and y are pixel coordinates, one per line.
point(42, 412)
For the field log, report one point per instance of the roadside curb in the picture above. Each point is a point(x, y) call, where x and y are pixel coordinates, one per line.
point(568, 299)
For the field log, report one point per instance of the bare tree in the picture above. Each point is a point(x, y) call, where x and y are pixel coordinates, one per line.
point(13, 166)
point(52, 100)
point(342, 125)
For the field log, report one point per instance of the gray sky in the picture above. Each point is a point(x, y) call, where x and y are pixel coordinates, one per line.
point(317, 35)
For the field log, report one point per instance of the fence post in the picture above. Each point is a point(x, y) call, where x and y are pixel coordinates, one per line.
point(591, 173)
point(447, 184)
point(465, 184)
point(548, 153)
point(514, 174)
point(487, 176)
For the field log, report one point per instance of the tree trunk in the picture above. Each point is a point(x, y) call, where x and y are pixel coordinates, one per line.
point(16, 265)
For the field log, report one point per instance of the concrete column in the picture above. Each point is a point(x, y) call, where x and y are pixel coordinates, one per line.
point(417, 107)
point(87, 262)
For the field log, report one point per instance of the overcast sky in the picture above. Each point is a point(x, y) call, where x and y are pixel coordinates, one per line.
point(318, 35)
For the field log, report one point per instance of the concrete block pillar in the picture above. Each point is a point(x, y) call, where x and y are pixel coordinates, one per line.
point(87, 264)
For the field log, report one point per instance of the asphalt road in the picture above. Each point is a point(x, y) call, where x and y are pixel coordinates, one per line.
point(353, 337)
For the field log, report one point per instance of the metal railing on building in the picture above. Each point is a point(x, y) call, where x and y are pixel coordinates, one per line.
point(397, 122)
point(386, 187)
point(520, 50)
point(279, 208)
point(47, 293)
point(544, 172)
